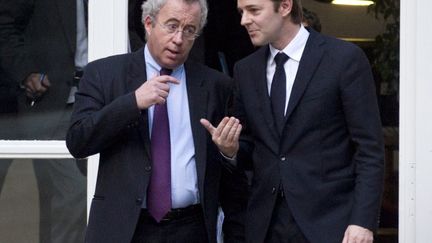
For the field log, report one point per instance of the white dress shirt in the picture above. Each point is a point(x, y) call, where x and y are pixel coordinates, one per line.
point(295, 51)
point(184, 181)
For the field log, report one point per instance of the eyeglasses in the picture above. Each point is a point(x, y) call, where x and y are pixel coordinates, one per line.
point(188, 32)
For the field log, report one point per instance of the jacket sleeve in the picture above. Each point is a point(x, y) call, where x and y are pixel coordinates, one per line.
point(234, 193)
point(15, 59)
point(98, 120)
point(363, 121)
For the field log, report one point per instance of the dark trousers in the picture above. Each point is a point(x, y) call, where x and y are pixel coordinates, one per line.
point(283, 228)
point(184, 227)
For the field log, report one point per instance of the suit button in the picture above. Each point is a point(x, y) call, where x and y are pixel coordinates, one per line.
point(148, 168)
point(139, 201)
point(282, 158)
point(273, 190)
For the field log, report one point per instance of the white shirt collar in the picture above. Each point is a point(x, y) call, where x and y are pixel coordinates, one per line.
point(154, 66)
point(295, 48)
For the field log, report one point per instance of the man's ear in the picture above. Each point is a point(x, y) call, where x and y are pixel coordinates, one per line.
point(148, 24)
point(285, 7)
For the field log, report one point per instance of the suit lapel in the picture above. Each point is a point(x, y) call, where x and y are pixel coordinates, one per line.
point(67, 14)
point(136, 76)
point(258, 74)
point(308, 64)
point(197, 96)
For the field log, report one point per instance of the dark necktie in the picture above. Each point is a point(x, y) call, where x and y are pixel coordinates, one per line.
point(278, 91)
point(159, 190)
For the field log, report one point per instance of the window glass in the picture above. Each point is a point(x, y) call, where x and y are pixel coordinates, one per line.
point(43, 49)
point(42, 200)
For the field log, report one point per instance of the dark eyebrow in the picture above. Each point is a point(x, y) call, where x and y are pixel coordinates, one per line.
point(172, 20)
point(248, 7)
point(251, 6)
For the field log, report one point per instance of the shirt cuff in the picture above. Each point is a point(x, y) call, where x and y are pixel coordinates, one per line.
point(231, 160)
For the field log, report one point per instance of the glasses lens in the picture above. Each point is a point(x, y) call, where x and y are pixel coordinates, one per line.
point(187, 33)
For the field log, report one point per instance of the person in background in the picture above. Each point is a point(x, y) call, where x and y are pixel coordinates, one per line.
point(43, 50)
point(308, 107)
point(311, 19)
point(159, 177)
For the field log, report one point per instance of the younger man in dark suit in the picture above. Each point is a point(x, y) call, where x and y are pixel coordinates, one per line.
point(159, 173)
point(311, 127)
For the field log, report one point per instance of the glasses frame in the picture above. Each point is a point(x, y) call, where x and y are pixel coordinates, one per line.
point(168, 30)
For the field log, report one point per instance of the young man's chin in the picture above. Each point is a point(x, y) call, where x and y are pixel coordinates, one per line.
point(256, 41)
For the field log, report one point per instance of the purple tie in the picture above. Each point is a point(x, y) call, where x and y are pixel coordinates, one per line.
point(159, 190)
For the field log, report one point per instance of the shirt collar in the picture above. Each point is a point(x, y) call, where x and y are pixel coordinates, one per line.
point(295, 48)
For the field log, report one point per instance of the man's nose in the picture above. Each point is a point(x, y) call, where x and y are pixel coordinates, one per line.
point(178, 37)
point(245, 19)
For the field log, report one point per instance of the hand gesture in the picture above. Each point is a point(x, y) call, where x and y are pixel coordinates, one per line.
point(36, 84)
point(226, 135)
point(154, 91)
point(357, 234)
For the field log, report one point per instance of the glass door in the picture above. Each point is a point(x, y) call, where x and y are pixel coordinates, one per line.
point(44, 191)
point(42, 194)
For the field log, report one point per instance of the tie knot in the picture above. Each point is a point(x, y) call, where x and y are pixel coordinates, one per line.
point(280, 59)
point(165, 71)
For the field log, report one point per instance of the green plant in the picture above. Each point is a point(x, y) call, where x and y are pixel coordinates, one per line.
point(386, 52)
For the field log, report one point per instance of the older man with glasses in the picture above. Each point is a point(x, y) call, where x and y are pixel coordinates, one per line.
point(159, 174)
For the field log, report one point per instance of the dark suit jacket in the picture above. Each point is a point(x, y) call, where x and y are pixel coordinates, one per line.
point(329, 159)
point(106, 120)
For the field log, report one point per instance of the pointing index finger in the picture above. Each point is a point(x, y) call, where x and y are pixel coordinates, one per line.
point(168, 79)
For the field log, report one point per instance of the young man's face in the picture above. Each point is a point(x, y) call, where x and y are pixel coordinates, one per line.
point(261, 21)
point(170, 50)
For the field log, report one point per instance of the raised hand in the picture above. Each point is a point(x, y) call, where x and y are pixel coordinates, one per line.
point(225, 135)
point(154, 91)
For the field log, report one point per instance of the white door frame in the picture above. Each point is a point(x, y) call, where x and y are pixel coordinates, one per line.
point(415, 140)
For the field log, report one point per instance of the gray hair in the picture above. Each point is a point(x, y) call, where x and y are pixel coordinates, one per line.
point(152, 7)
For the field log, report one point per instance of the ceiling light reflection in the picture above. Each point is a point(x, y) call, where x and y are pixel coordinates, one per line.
point(353, 2)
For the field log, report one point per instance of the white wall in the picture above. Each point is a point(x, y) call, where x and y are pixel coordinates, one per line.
point(415, 195)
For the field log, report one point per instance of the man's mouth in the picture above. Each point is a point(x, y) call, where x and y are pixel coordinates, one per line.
point(173, 53)
point(252, 32)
